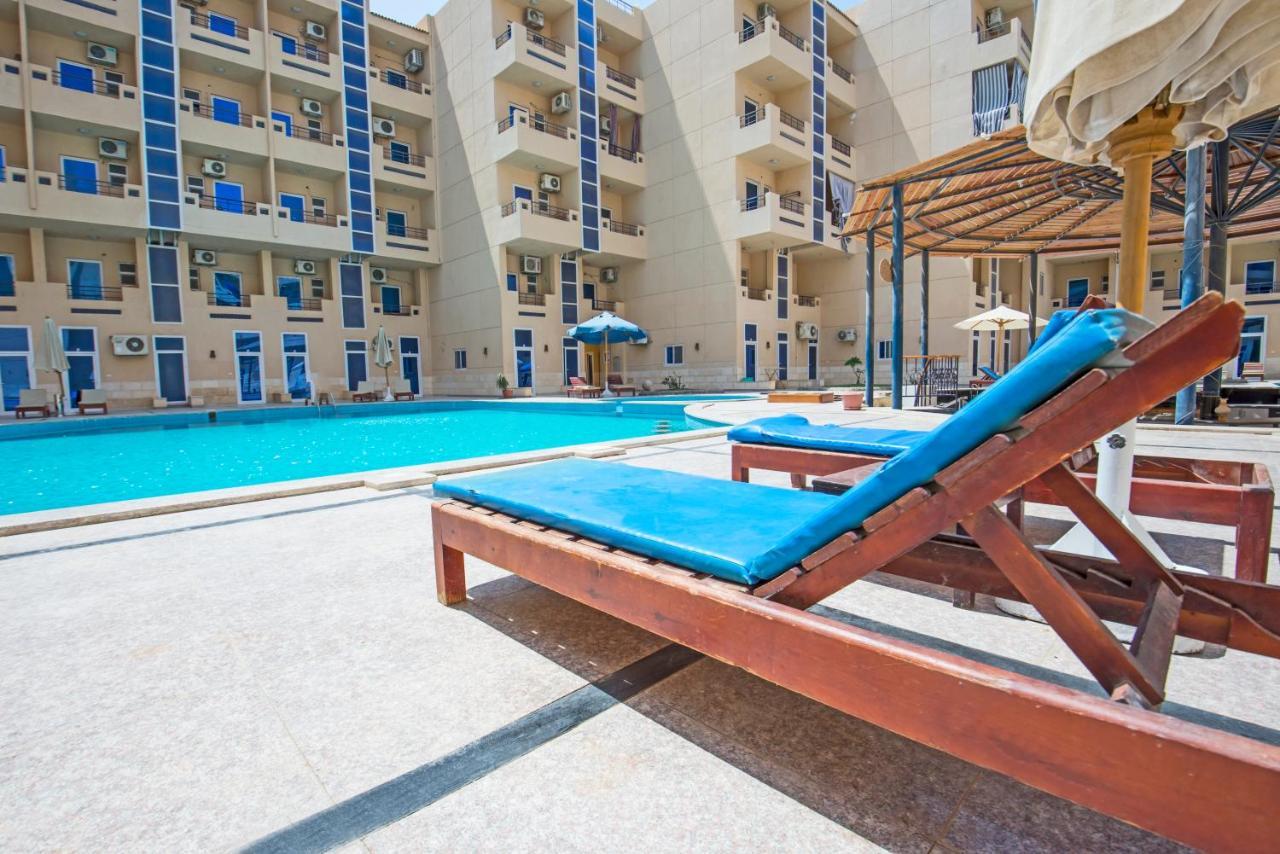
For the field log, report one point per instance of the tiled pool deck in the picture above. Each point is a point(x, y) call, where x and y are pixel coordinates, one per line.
point(279, 674)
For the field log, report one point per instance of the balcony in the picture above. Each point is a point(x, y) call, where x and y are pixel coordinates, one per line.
point(312, 149)
point(770, 221)
point(771, 56)
point(613, 305)
point(108, 109)
point(407, 243)
point(313, 70)
point(619, 87)
point(527, 298)
point(209, 132)
point(118, 15)
point(236, 221)
point(840, 84)
point(310, 230)
point(209, 45)
point(1002, 43)
point(757, 294)
point(397, 170)
point(537, 228)
point(620, 243)
point(839, 156)
point(523, 57)
point(772, 136)
point(622, 16)
point(95, 293)
point(622, 168)
point(115, 207)
point(395, 91)
point(526, 143)
point(10, 84)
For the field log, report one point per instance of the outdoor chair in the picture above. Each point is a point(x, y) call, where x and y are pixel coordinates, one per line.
point(618, 387)
point(401, 390)
point(92, 399)
point(33, 401)
point(366, 392)
point(579, 388)
point(1252, 372)
point(730, 568)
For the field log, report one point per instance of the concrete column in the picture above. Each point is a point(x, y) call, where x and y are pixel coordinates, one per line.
point(869, 341)
point(1220, 162)
point(1192, 279)
point(1033, 301)
point(924, 302)
point(896, 387)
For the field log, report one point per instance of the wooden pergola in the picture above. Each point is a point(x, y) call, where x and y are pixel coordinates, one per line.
point(995, 197)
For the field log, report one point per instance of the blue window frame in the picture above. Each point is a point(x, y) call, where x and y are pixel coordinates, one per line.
point(73, 75)
point(674, 354)
point(297, 370)
point(397, 221)
point(460, 360)
point(166, 291)
point(410, 362)
point(7, 276)
point(357, 353)
point(351, 288)
point(171, 367)
point(225, 109)
point(1259, 278)
point(518, 192)
point(749, 335)
point(226, 288)
point(228, 197)
point(224, 24)
point(79, 175)
point(513, 282)
point(15, 364)
point(1077, 290)
point(523, 339)
point(390, 299)
point(784, 351)
point(395, 78)
point(285, 119)
point(399, 151)
point(81, 347)
point(249, 366)
point(290, 287)
point(296, 205)
point(84, 279)
point(572, 367)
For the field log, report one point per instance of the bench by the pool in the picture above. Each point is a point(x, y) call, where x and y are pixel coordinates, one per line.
point(33, 401)
point(658, 549)
point(92, 400)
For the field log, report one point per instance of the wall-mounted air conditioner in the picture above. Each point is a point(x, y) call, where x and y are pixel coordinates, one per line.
point(383, 127)
point(378, 275)
point(101, 54)
point(806, 330)
point(314, 31)
point(204, 257)
point(414, 60)
point(848, 335)
point(534, 19)
point(562, 103)
point(129, 345)
point(549, 183)
point(311, 107)
point(609, 275)
point(304, 266)
point(113, 149)
point(530, 264)
point(214, 168)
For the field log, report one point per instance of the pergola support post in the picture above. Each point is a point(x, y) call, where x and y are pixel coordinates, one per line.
point(924, 302)
point(1192, 280)
point(896, 363)
point(1033, 299)
point(1221, 165)
point(869, 345)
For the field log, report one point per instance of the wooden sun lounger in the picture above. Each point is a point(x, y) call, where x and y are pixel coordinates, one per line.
point(1201, 786)
point(579, 388)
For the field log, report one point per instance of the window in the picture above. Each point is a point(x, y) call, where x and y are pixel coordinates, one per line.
point(296, 205)
point(744, 278)
point(317, 288)
point(225, 109)
point(884, 349)
point(460, 360)
point(397, 222)
point(351, 285)
point(224, 24)
point(675, 354)
point(191, 94)
point(7, 276)
point(390, 295)
point(1157, 280)
point(318, 206)
point(297, 367)
point(974, 345)
point(1259, 277)
point(193, 277)
point(285, 120)
point(195, 185)
point(15, 364)
point(1253, 342)
point(79, 175)
point(1077, 290)
point(357, 363)
point(226, 288)
point(84, 279)
point(73, 75)
point(512, 282)
point(128, 273)
point(228, 196)
point(411, 363)
point(399, 151)
point(117, 174)
point(81, 346)
point(290, 287)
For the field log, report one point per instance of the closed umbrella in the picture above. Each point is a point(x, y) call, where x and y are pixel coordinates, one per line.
point(382, 358)
point(607, 328)
point(51, 356)
point(998, 320)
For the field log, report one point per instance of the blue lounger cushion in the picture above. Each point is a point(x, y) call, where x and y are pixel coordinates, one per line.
point(795, 431)
point(989, 372)
point(749, 533)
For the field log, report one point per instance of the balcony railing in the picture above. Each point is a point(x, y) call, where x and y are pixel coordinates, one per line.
point(111, 293)
point(309, 217)
point(78, 184)
point(538, 208)
point(212, 203)
point(750, 29)
point(625, 153)
point(401, 81)
point(1253, 288)
point(623, 5)
point(620, 76)
point(526, 298)
point(410, 231)
point(406, 157)
point(503, 37)
point(228, 300)
point(791, 204)
point(294, 47)
point(840, 71)
point(304, 303)
point(540, 125)
point(624, 228)
point(306, 134)
point(604, 305)
point(757, 294)
point(223, 26)
point(97, 87)
point(547, 42)
point(806, 302)
point(225, 115)
point(986, 34)
point(398, 311)
point(841, 146)
point(791, 37)
point(791, 121)
point(753, 203)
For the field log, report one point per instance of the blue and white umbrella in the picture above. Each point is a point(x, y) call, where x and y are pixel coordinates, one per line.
point(607, 328)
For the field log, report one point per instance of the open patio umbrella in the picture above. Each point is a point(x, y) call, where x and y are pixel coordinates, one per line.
point(51, 356)
point(382, 358)
point(607, 328)
point(1124, 84)
point(998, 320)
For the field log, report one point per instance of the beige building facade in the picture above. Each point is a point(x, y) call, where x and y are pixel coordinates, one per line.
point(480, 183)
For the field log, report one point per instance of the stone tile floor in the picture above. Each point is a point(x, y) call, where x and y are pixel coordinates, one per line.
point(279, 674)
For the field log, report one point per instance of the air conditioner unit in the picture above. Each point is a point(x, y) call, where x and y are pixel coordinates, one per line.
point(549, 183)
point(314, 31)
point(378, 275)
point(530, 264)
point(214, 168)
point(304, 267)
point(204, 257)
point(995, 17)
point(383, 127)
point(113, 149)
point(601, 35)
point(129, 345)
point(534, 19)
point(101, 54)
point(609, 275)
point(562, 103)
point(1057, 303)
point(766, 10)
point(606, 127)
point(311, 107)
point(848, 335)
point(414, 60)
point(806, 330)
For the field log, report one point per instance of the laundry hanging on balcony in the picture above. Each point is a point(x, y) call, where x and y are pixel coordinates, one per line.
point(841, 190)
point(993, 91)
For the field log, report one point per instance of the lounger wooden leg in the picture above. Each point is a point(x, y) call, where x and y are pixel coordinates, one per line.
point(1253, 534)
point(740, 472)
point(798, 481)
point(451, 574)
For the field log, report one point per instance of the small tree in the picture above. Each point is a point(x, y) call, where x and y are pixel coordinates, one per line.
point(502, 383)
point(855, 365)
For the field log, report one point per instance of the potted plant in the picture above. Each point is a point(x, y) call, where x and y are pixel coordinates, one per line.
point(853, 399)
point(504, 387)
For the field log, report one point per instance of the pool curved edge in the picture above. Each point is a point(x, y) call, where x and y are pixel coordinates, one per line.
point(379, 479)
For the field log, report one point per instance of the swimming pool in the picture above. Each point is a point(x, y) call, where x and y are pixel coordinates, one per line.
point(73, 461)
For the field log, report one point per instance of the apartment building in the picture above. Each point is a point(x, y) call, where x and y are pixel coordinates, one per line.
point(216, 201)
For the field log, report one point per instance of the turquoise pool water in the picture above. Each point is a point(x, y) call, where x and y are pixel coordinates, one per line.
point(70, 462)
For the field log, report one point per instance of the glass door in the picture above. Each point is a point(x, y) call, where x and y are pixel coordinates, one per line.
point(171, 367)
point(73, 75)
point(80, 176)
point(571, 364)
point(15, 364)
point(749, 355)
point(81, 346)
point(297, 368)
point(411, 363)
point(228, 196)
point(524, 357)
point(1253, 342)
point(290, 287)
point(249, 367)
point(783, 351)
point(813, 360)
point(390, 299)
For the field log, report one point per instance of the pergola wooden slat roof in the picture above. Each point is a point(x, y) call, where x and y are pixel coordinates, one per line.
point(995, 197)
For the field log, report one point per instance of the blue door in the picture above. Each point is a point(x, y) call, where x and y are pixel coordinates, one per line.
point(84, 279)
point(357, 364)
point(522, 192)
point(73, 75)
point(226, 288)
point(524, 357)
point(15, 363)
point(171, 368)
point(396, 222)
point(225, 110)
point(395, 78)
point(1077, 290)
point(288, 44)
point(294, 204)
point(1252, 335)
point(390, 299)
point(284, 119)
point(783, 353)
point(222, 24)
point(813, 360)
point(290, 287)
point(571, 368)
point(7, 276)
point(80, 176)
point(749, 356)
point(409, 362)
point(295, 366)
point(249, 366)
point(228, 197)
point(82, 371)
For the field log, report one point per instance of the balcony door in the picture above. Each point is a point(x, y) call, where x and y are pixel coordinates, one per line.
point(752, 195)
point(1259, 277)
point(397, 222)
point(171, 367)
point(297, 367)
point(749, 352)
point(15, 364)
point(79, 175)
point(813, 360)
point(73, 75)
point(296, 205)
point(290, 287)
point(783, 353)
point(249, 367)
point(411, 362)
point(226, 288)
point(225, 109)
point(523, 339)
point(84, 279)
point(228, 196)
point(390, 299)
point(1253, 342)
